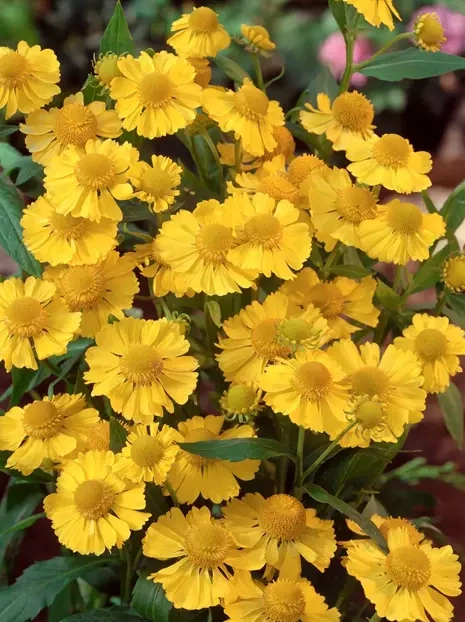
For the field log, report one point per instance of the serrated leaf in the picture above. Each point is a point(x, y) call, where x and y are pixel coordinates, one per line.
point(352, 272)
point(452, 409)
point(103, 615)
point(214, 310)
point(118, 435)
point(117, 37)
point(149, 600)
point(232, 69)
point(430, 272)
point(413, 64)
point(7, 130)
point(387, 296)
point(237, 449)
point(453, 210)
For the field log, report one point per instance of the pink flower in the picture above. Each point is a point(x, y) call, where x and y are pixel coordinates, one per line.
point(333, 54)
point(453, 24)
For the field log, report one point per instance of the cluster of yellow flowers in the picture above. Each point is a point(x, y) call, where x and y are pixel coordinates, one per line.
point(289, 350)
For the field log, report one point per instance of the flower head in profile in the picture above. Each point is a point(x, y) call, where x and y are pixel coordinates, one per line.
point(437, 344)
point(51, 428)
point(389, 160)
point(93, 509)
point(257, 39)
point(32, 315)
point(203, 71)
point(140, 366)
point(241, 401)
point(48, 133)
point(157, 184)
point(369, 420)
point(193, 476)
point(28, 78)
point(376, 12)
point(198, 34)
point(156, 95)
point(453, 23)
point(453, 272)
point(106, 68)
point(278, 531)
point(429, 32)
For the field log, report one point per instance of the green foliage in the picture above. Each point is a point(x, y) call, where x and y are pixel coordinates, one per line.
point(232, 69)
point(103, 615)
point(429, 273)
point(416, 470)
point(452, 409)
point(237, 449)
point(149, 600)
point(453, 210)
point(118, 435)
point(413, 64)
point(117, 37)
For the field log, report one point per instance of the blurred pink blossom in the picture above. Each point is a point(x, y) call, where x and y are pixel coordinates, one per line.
point(453, 24)
point(333, 54)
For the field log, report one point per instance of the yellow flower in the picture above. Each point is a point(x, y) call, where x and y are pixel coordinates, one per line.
point(48, 133)
point(156, 95)
point(93, 509)
point(228, 158)
point(138, 365)
point(385, 524)
point(248, 113)
point(337, 300)
point(106, 68)
point(203, 71)
point(389, 160)
point(410, 581)
point(283, 600)
point(198, 34)
point(453, 272)
point(28, 78)
point(30, 314)
point(45, 429)
point(241, 401)
point(285, 145)
point(156, 184)
point(257, 39)
point(200, 578)
point(192, 476)
point(148, 454)
point(270, 240)
point(429, 32)
point(304, 330)
point(349, 118)
point(370, 418)
point(98, 437)
point(278, 531)
point(339, 207)
point(98, 290)
point(57, 239)
point(197, 244)
point(437, 344)
point(86, 182)
point(309, 389)
point(401, 232)
point(376, 12)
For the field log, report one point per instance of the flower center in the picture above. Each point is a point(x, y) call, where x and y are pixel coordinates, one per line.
point(404, 218)
point(264, 229)
point(93, 499)
point(354, 112)
point(147, 451)
point(142, 365)
point(251, 102)
point(75, 124)
point(67, 227)
point(83, 286)
point(431, 31)
point(301, 167)
point(207, 545)
point(279, 187)
point(455, 273)
point(296, 330)
point(155, 90)
point(203, 19)
point(327, 298)
point(14, 69)
point(108, 69)
point(396, 523)
point(283, 601)
point(369, 415)
point(356, 204)
point(313, 380)
point(26, 317)
point(213, 242)
point(409, 567)
point(369, 381)
point(392, 151)
point(156, 182)
point(431, 344)
point(42, 420)
point(241, 398)
point(95, 171)
point(265, 340)
point(283, 517)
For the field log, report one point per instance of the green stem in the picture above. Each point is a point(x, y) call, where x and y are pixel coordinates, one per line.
point(324, 454)
point(53, 368)
point(350, 43)
point(195, 157)
point(380, 329)
point(237, 155)
point(258, 72)
point(398, 280)
point(136, 561)
point(331, 260)
point(126, 587)
point(428, 202)
point(440, 303)
point(214, 151)
point(172, 492)
point(299, 470)
point(382, 50)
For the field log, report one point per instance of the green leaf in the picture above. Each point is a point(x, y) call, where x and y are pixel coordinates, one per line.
point(64, 371)
point(353, 272)
point(429, 273)
point(133, 212)
point(10, 157)
point(457, 303)
point(453, 210)
point(237, 449)
point(148, 599)
point(232, 69)
point(322, 81)
point(387, 296)
point(452, 409)
point(413, 64)
point(27, 171)
point(214, 311)
point(22, 524)
point(118, 435)
point(338, 9)
point(39, 584)
point(319, 494)
point(10, 230)
point(117, 37)
point(25, 380)
point(103, 615)
point(92, 90)
point(7, 130)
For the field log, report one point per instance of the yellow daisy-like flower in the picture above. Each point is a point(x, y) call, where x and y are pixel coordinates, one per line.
point(349, 118)
point(401, 232)
point(429, 32)
point(285, 145)
point(98, 290)
point(28, 78)
point(98, 437)
point(48, 133)
point(193, 476)
point(203, 71)
point(157, 184)
point(376, 12)
point(309, 389)
point(148, 454)
point(437, 344)
point(93, 509)
point(248, 113)
point(337, 300)
point(389, 160)
point(200, 578)
point(197, 245)
point(270, 240)
point(198, 34)
point(410, 582)
point(139, 365)
point(57, 239)
point(370, 419)
point(31, 314)
point(106, 68)
point(241, 401)
point(257, 39)
point(46, 429)
point(339, 207)
point(271, 178)
point(385, 524)
point(283, 600)
point(156, 95)
point(278, 531)
point(453, 272)
point(304, 330)
point(85, 182)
